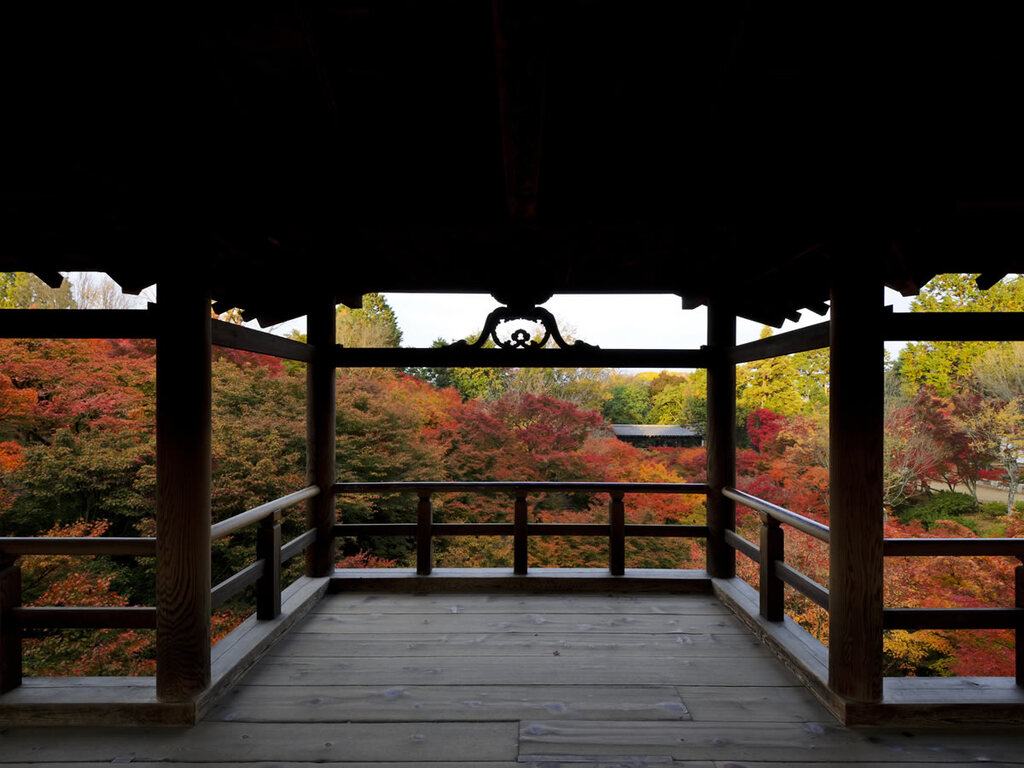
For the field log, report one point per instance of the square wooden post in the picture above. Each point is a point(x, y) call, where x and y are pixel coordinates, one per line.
point(855, 471)
point(320, 435)
point(183, 487)
point(268, 549)
point(424, 535)
point(10, 633)
point(617, 534)
point(520, 542)
point(721, 439)
point(772, 588)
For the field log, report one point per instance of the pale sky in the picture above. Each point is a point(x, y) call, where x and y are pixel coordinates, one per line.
point(610, 321)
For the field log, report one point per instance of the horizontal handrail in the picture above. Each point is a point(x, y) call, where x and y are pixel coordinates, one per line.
point(783, 515)
point(532, 529)
point(953, 547)
point(803, 584)
point(234, 584)
point(528, 486)
point(520, 529)
point(63, 617)
point(953, 618)
point(254, 515)
point(77, 545)
point(296, 545)
point(748, 548)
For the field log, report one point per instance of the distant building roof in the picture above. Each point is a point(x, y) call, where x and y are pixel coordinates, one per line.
point(651, 430)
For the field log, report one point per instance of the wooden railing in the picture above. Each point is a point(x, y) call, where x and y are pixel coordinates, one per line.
point(775, 573)
point(520, 529)
point(265, 573)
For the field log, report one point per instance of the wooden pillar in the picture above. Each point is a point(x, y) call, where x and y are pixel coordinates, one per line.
point(1018, 575)
point(183, 487)
point(10, 633)
point(855, 473)
point(721, 439)
point(320, 435)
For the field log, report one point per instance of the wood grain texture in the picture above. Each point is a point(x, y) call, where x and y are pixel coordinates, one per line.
point(580, 624)
point(590, 669)
point(215, 742)
point(855, 466)
point(740, 741)
point(721, 439)
point(10, 631)
point(476, 703)
point(512, 604)
point(183, 488)
point(320, 434)
point(515, 645)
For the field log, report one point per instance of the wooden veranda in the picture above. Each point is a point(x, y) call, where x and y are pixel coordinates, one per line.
point(289, 158)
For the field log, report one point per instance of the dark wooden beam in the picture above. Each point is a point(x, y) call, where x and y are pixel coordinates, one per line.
point(84, 545)
point(855, 451)
point(183, 487)
point(522, 36)
point(77, 324)
point(10, 631)
point(954, 326)
point(261, 342)
point(320, 434)
point(799, 340)
point(465, 357)
point(953, 618)
point(721, 439)
point(63, 617)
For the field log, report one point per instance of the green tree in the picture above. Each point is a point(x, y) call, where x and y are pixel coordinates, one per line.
point(942, 364)
point(373, 325)
point(770, 383)
point(999, 374)
point(685, 404)
point(630, 403)
point(23, 290)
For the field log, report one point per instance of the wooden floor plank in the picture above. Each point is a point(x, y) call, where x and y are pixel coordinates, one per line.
point(511, 680)
point(326, 764)
point(591, 669)
point(785, 704)
point(317, 703)
point(215, 742)
point(516, 644)
point(363, 603)
point(581, 623)
point(791, 743)
point(832, 764)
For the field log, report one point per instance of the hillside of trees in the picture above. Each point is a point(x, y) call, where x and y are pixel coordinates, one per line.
point(77, 459)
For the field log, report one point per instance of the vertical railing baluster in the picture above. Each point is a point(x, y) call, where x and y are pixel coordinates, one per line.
point(424, 534)
point(617, 534)
point(10, 633)
point(268, 549)
point(772, 591)
point(520, 549)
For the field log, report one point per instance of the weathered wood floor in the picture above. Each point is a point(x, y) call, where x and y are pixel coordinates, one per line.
point(508, 680)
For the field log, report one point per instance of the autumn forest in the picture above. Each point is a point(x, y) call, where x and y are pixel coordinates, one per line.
point(77, 450)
